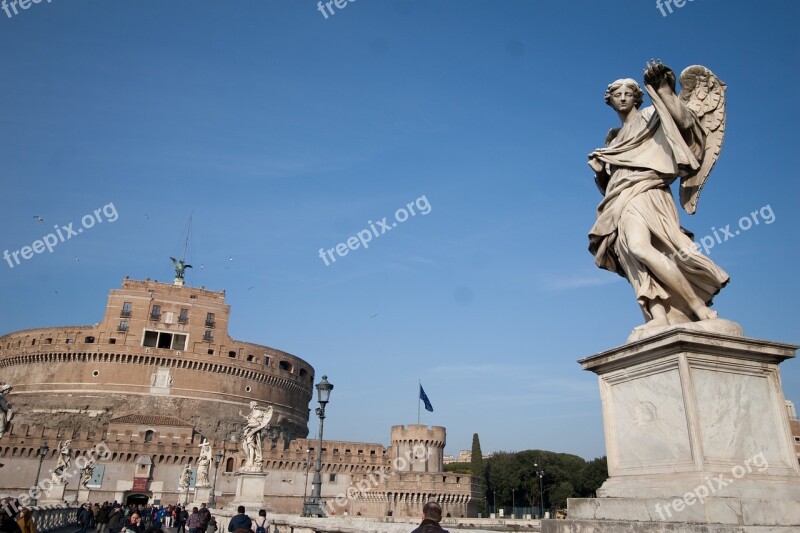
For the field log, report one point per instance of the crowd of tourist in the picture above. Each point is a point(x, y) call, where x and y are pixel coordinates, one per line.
point(117, 518)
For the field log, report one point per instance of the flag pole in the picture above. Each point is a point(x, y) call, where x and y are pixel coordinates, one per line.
point(419, 399)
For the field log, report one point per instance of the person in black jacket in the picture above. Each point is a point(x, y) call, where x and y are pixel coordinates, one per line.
point(431, 516)
point(240, 521)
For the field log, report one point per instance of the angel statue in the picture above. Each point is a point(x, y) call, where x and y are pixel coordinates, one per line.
point(637, 233)
point(6, 413)
point(64, 461)
point(180, 267)
point(251, 435)
point(86, 474)
point(185, 478)
point(203, 465)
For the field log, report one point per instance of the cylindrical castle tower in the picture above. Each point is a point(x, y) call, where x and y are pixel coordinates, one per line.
point(160, 349)
point(418, 448)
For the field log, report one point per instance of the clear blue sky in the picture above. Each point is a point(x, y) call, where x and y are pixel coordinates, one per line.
point(285, 132)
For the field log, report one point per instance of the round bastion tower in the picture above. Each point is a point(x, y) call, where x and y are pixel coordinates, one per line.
point(418, 448)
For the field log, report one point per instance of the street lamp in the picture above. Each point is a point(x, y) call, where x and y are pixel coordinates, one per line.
point(495, 502)
point(212, 500)
point(314, 506)
point(43, 449)
point(540, 473)
point(513, 505)
point(306, 465)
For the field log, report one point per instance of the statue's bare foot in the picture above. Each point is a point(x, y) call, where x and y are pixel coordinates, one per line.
point(704, 312)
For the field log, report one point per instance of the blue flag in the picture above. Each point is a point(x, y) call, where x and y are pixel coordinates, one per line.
point(424, 398)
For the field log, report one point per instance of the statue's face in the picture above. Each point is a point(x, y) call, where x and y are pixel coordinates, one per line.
point(623, 99)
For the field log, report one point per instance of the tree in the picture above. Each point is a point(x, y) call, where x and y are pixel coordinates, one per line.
point(591, 477)
point(560, 493)
point(476, 464)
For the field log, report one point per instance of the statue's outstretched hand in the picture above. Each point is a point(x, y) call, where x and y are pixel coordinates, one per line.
point(657, 73)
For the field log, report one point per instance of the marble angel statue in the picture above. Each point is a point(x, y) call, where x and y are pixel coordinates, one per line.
point(637, 233)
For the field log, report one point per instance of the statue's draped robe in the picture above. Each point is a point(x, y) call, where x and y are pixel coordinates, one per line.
point(642, 161)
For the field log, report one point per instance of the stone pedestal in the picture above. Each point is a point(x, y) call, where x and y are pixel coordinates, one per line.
point(201, 495)
point(83, 495)
point(54, 495)
point(697, 435)
point(250, 488)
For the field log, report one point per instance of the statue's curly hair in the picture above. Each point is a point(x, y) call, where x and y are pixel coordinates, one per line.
point(633, 84)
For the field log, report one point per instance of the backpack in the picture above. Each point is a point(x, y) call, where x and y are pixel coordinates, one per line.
point(260, 529)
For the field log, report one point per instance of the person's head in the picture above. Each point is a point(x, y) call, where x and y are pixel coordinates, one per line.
point(194, 509)
point(203, 505)
point(624, 93)
point(240, 509)
point(135, 518)
point(432, 511)
point(262, 512)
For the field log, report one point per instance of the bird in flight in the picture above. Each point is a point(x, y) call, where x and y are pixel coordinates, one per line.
point(38, 218)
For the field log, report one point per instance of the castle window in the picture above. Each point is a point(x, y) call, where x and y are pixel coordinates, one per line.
point(112, 340)
point(33, 342)
point(48, 340)
point(155, 312)
point(183, 317)
point(285, 365)
point(229, 465)
point(69, 341)
point(250, 358)
point(148, 435)
point(303, 372)
point(232, 354)
point(332, 478)
point(210, 321)
point(164, 340)
point(210, 351)
point(126, 310)
point(123, 325)
point(208, 336)
point(89, 340)
point(266, 361)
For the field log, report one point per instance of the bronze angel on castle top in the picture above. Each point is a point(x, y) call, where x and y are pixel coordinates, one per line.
point(637, 233)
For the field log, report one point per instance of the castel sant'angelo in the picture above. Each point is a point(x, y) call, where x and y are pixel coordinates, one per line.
point(158, 376)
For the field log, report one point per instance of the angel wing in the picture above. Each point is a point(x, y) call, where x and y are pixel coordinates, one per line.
point(703, 93)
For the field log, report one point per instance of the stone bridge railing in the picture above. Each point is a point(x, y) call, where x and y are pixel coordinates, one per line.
point(283, 523)
point(48, 519)
point(351, 524)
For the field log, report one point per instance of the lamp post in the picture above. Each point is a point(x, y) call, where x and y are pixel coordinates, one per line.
point(513, 504)
point(43, 449)
point(495, 502)
point(306, 465)
point(314, 506)
point(212, 500)
point(540, 473)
